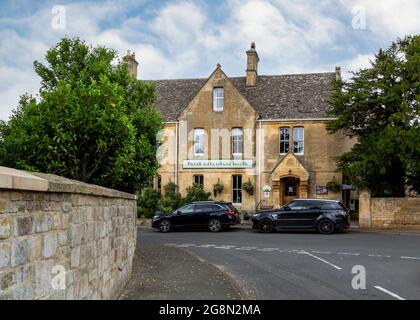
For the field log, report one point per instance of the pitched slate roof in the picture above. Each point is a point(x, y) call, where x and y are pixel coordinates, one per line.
point(299, 96)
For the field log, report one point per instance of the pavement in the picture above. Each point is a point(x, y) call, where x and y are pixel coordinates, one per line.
point(283, 265)
point(165, 273)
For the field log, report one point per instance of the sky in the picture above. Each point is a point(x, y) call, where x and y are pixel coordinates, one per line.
point(186, 38)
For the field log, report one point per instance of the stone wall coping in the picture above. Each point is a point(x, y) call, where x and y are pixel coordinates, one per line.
point(33, 181)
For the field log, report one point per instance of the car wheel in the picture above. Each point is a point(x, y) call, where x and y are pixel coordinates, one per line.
point(265, 226)
point(326, 226)
point(165, 226)
point(215, 225)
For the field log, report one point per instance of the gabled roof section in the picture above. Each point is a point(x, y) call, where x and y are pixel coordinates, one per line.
point(289, 165)
point(172, 96)
point(299, 96)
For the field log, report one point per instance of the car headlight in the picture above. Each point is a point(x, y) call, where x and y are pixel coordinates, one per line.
point(257, 216)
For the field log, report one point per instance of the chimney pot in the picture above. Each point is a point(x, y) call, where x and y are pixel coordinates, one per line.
point(338, 73)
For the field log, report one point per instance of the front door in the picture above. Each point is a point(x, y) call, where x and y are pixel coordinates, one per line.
point(290, 189)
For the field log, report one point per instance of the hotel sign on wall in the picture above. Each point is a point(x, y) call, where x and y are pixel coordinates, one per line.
point(218, 164)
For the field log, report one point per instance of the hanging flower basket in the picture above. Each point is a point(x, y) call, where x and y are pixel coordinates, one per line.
point(218, 188)
point(248, 187)
point(333, 185)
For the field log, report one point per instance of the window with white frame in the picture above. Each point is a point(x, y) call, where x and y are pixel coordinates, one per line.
point(218, 99)
point(199, 180)
point(298, 140)
point(237, 141)
point(284, 140)
point(237, 189)
point(198, 142)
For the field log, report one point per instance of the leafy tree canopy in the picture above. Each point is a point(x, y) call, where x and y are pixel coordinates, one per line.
point(92, 121)
point(380, 106)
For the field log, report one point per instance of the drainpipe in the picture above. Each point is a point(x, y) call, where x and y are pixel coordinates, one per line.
point(176, 153)
point(259, 164)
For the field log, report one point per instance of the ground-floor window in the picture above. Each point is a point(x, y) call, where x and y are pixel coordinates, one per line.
point(199, 179)
point(159, 183)
point(237, 189)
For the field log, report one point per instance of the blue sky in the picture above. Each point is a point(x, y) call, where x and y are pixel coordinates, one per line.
point(186, 38)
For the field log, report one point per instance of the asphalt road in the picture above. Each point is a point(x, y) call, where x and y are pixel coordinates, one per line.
point(306, 265)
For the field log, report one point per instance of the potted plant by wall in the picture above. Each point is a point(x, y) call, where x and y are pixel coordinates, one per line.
point(248, 187)
point(218, 188)
point(333, 185)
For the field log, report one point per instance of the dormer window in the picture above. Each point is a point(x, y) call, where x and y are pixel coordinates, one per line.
point(218, 99)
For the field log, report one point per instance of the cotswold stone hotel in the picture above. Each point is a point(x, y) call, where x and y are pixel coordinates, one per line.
point(262, 138)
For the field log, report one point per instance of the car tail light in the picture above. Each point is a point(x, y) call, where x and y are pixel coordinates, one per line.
point(229, 212)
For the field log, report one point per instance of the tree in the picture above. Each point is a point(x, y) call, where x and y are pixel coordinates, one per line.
point(380, 106)
point(196, 193)
point(92, 121)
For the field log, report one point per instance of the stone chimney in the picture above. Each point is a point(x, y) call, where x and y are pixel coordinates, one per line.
point(338, 73)
point(130, 59)
point(252, 66)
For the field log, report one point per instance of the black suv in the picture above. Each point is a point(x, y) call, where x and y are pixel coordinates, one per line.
point(326, 216)
point(210, 214)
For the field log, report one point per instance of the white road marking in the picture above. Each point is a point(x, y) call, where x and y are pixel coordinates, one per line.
point(320, 259)
point(245, 248)
point(378, 256)
point(396, 296)
point(321, 252)
point(225, 247)
point(411, 258)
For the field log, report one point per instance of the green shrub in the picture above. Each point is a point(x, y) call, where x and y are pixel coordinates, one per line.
point(148, 202)
point(196, 193)
point(172, 200)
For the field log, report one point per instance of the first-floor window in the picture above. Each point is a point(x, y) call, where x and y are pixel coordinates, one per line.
point(237, 142)
point(198, 142)
point(218, 99)
point(284, 140)
point(199, 180)
point(237, 189)
point(298, 140)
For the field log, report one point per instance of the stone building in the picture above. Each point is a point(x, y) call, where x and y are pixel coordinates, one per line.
point(264, 131)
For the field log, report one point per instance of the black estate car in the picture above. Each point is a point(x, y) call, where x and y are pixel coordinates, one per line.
point(325, 216)
point(210, 214)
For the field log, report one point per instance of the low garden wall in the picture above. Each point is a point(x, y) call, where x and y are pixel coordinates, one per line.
point(63, 239)
point(389, 213)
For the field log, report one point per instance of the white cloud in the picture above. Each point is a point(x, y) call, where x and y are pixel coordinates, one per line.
point(389, 18)
point(181, 38)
